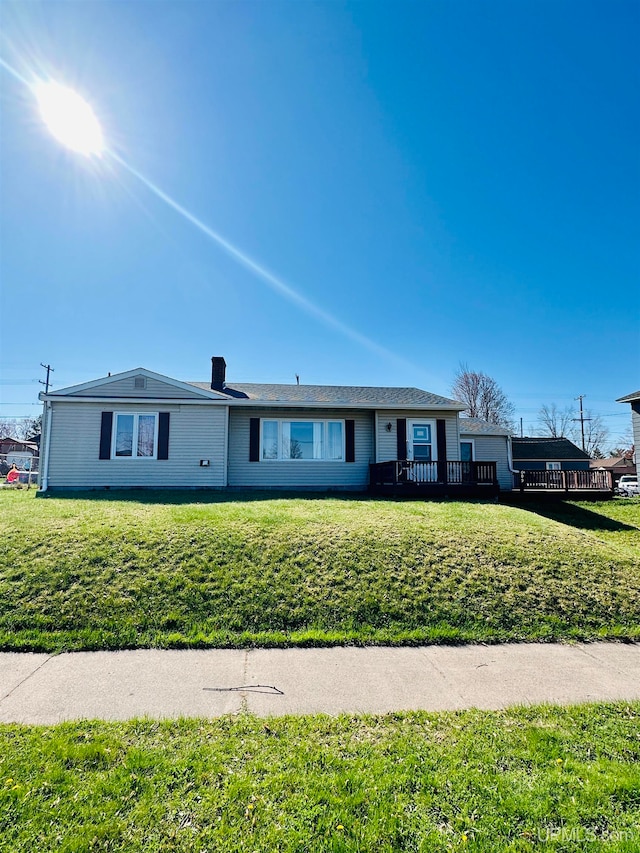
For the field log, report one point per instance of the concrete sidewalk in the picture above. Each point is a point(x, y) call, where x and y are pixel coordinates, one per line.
point(38, 688)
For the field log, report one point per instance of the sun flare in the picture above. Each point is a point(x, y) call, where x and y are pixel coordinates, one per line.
point(69, 118)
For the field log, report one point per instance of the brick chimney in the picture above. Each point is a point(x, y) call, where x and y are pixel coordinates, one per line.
point(218, 371)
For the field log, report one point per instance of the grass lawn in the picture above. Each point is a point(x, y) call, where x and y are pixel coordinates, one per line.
point(539, 778)
point(177, 570)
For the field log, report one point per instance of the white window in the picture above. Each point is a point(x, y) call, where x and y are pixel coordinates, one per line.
point(302, 440)
point(554, 466)
point(135, 436)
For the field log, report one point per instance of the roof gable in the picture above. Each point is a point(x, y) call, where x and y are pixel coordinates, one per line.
point(148, 385)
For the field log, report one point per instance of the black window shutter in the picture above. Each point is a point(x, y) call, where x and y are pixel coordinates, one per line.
point(106, 427)
point(441, 436)
point(402, 439)
point(163, 435)
point(350, 441)
point(254, 439)
point(441, 444)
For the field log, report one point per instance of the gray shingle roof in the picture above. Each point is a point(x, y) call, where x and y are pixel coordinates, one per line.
point(343, 395)
point(546, 449)
point(480, 427)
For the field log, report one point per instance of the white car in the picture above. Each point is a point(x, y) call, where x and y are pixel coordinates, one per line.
point(628, 485)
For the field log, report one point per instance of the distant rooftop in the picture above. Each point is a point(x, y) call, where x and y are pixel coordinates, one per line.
point(546, 448)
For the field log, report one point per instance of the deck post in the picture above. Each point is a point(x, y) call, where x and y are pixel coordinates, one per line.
point(441, 443)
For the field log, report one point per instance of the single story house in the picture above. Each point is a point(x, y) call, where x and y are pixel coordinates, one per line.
point(618, 465)
point(23, 453)
point(634, 399)
point(548, 454)
point(140, 429)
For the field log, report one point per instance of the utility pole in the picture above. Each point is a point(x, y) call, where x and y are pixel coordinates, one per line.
point(46, 382)
point(582, 418)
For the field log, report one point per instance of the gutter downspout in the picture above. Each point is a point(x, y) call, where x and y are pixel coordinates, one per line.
point(510, 460)
point(44, 483)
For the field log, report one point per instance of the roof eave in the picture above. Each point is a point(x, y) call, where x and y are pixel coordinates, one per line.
point(262, 404)
point(329, 404)
point(630, 398)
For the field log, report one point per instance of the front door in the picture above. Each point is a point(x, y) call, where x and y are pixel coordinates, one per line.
point(420, 444)
point(421, 450)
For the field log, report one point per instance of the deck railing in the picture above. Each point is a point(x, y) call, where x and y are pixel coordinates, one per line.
point(456, 473)
point(566, 481)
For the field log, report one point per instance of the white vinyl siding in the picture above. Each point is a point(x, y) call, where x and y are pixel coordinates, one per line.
point(492, 448)
point(635, 423)
point(301, 473)
point(195, 433)
point(154, 388)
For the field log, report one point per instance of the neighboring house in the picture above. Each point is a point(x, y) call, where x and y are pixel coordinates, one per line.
point(23, 453)
point(618, 465)
point(548, 454)
point(16, 445)
point(634, 399)
point(140, 429)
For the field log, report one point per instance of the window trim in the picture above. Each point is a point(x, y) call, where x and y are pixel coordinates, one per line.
point(136, 421)
point(553, 466)
point(325, 423)
point(472, 442)
point(432, 423)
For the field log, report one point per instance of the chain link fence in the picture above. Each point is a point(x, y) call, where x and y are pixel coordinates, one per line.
point(19, 469)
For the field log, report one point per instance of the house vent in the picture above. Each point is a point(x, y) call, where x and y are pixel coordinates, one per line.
point(140, 382)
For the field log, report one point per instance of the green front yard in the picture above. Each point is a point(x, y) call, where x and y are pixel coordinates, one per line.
point(563, 779)
point(161, 569)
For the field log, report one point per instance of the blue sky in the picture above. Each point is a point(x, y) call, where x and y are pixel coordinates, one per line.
point(453, 181)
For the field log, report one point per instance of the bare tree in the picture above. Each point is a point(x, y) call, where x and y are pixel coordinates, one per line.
point(564, 423)
point(555, 422)
point(625, 446)
point(23, 429)
point(483, 398)
point(7, 428)
point(596, 434)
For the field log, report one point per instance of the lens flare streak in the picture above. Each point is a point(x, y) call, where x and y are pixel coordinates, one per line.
point(72, 121)
point(273, 281)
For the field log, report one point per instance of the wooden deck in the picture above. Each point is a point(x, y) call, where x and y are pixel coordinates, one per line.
point(404, 478)
point(565, 481)
point(407, 478)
